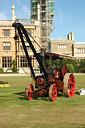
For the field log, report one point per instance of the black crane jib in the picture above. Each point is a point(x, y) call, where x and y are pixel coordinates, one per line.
point(21, 31)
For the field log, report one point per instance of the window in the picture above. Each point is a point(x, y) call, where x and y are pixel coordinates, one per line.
point(62, 46)
point(81, 50)
point(6, 46)
point(6, 33)
point(6, 62)
point(27, 46)
point(23, 62)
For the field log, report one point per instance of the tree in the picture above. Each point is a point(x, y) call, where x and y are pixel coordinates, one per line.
point(82, 66)
point(70, 68)
point(14, 69)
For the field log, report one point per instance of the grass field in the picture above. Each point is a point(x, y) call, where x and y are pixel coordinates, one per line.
point(16, 112)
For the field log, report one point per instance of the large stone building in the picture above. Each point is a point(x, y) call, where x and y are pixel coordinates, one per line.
point(63, 46)
point(69, 46)
point(12, 50)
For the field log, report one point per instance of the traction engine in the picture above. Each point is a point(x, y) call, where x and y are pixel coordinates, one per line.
point(49, 81)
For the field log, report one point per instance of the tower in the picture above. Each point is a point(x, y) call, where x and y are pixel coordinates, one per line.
point(13, 12)
point(46, 19)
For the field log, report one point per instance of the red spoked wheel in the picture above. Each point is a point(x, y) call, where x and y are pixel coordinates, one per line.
point(69, 85)
point(29, 92)
point(64, 70)
point(53, 92)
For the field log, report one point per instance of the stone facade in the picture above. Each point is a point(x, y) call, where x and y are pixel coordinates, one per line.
point(7, 44)
point(12, 50)
point(69, 47)
point(79, 50)
point(63, 46)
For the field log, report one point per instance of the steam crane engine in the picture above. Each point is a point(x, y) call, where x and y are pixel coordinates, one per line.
point(50, 81)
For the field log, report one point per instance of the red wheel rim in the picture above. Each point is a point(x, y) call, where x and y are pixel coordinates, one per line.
point(71, 85)
point(64, 70)
point(53, 93)
point(30, 92)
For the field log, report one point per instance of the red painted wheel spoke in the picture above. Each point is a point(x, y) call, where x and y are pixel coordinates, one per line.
point(30, 92)
point(71, 85)
point(53, 93)
point(72, 92)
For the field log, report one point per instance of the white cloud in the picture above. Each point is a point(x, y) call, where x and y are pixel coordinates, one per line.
point(3, 16)
point(61, 16)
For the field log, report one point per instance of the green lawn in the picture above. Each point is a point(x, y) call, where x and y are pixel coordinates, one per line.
point(16, 112)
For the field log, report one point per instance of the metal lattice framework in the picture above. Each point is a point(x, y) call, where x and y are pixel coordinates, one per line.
point(46, 19)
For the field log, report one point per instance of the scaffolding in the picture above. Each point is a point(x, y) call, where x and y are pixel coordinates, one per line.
point(46, 19)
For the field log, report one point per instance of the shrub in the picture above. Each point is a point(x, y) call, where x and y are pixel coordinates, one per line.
point(82, 66)
point(70, 68)
point(1, 70)
point(14, 69)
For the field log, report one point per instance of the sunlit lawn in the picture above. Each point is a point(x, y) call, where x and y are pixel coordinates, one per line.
point(16, 112)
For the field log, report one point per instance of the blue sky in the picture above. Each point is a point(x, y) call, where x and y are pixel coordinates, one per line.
point(69, 16)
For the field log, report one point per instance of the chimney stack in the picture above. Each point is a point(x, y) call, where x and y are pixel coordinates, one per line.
point(70, 36)
point(13, 12)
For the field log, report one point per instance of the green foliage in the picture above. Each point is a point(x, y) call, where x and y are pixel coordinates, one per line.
point(53, 63)
point(56, 63)
point(82, 66)
point(76, 65)
point(1, 70)
point(73, 66)
point(65, 62)
point(70, 68)
point(14, 69)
